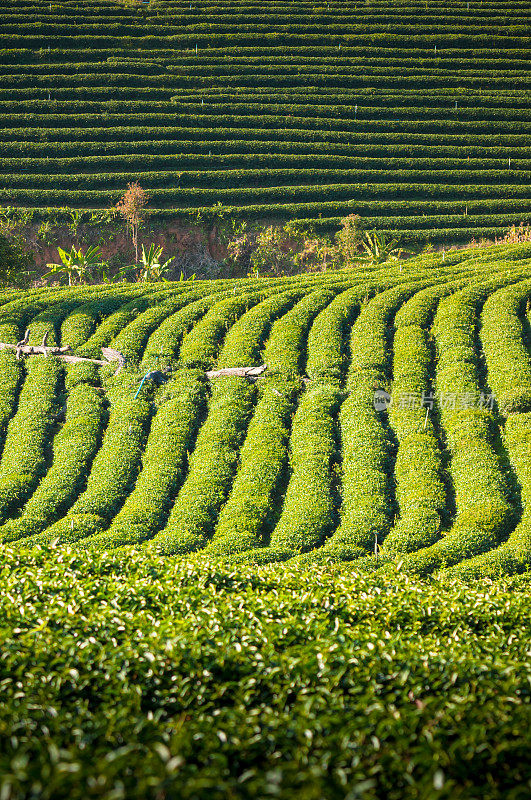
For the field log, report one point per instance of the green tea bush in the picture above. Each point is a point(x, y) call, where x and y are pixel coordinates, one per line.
point(420, 489)
point(164, 464)
point(366, 449)
point(128, 676)
point(24, 456)
point(513, 555)
point(253, 504)
point(15, 315)
point(12, 375)
point(506, 352)
point(484, 512)
point(245, 340)
point(81, 323)
point(49, 322)
point(308, 513)
point(211, 469)
point(111, 478)
point(164, 342)
point(201, 345)
point(112, 325)
point(308, 510)
point(327, 351)
point(284, 351)
point(133, 338)
point(74, 447)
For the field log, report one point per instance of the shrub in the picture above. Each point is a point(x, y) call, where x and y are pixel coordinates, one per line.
point(327, 661)
point(16, 262)
point(211, 469)
point(111, 478)
point(24, 457)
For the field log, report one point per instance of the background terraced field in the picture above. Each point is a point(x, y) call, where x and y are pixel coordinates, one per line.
point(298, 465)
point(413, 114)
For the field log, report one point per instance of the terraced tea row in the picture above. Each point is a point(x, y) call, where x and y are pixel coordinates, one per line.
point(414, 116)
point(377, 434)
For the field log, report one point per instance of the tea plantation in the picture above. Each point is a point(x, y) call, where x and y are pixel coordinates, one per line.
point(414, 114)
point(138, 678)
point(310, 585)
point(306, 462)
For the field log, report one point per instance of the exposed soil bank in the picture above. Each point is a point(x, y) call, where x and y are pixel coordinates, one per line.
point(195, 249)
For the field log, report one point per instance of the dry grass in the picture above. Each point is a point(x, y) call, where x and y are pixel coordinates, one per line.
point(516, 235)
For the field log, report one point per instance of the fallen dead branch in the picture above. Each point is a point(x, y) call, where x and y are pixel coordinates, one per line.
point(252, 373)
point(22, 348)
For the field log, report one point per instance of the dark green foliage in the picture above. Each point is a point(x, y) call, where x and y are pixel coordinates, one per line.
point(128, 677)
point(15, 263)
point(211, 469)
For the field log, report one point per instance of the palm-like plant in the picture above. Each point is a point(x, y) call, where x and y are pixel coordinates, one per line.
point(76, 265)
point(378, 248)
point(150, 266)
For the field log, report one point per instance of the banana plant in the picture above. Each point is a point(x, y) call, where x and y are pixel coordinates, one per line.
point(78, 266)
point(378, 248)
point(182, 277)
point(150, 267)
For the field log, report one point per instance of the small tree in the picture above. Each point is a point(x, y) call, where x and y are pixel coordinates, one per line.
point(316, 254)
point(132, 207)
point(272, 254)
point(16, 259)
point(348, 239)
point(240, 242)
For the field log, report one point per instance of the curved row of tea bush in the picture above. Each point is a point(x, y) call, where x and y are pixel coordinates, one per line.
point(211, 469)
point(235, 100)
point(114, 468)
point(164, 464)
point(367, 505)
point(509, 375)
point(74, 448)
point(485, 513)
point(24, 455)
point(252, 508)
point(420, 489)
point(308, 511)
point(506, 347)
point(301, 463)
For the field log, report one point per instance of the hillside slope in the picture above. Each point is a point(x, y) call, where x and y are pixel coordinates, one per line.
point(415, 115)
point(310, 462)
